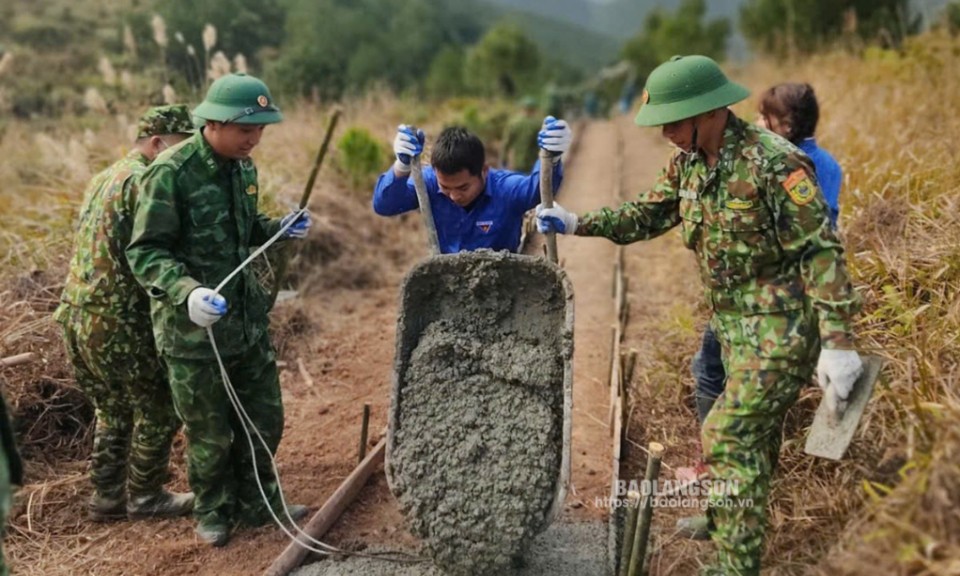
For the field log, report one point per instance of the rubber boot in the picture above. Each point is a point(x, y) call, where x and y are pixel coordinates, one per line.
point(102, 509)
point(161, 505)
point(213, 531)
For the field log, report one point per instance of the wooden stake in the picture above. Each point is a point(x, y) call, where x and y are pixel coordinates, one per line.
point(364, 428)
point(327, 516)
point(17, 360)
point(642, 533)
point(633, 507)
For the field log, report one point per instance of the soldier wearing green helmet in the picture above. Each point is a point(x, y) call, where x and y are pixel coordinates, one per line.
point(196, 221)
point(773, 272)
point(105, 318)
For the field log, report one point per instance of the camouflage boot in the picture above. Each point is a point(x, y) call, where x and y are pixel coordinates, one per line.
point(104, 509)
point(213, 530)
point(161, 505)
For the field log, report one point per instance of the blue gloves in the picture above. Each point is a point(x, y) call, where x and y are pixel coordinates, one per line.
point(205, 306)
point(556, 219)
point(555, 135)
point(301, 224)
point(408, 143)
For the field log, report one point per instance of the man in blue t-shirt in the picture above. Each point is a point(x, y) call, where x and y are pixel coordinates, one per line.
point(474, 206)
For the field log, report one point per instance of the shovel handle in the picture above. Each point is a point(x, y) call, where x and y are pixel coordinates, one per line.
point(416, 172)
point(546, 198)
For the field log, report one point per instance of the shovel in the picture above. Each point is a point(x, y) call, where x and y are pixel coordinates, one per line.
point(831, 432)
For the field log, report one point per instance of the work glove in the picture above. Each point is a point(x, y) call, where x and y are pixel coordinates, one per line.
point(837, 371)
point(408, 143)
point(556, 219)
point(301, 224)
point(554, 136)
point(205, 306)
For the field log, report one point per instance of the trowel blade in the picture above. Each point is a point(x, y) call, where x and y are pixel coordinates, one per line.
point(830, 436)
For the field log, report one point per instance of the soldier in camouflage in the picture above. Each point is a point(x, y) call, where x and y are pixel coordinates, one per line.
point(772, 270)
point(196, 221)
point(106, 328)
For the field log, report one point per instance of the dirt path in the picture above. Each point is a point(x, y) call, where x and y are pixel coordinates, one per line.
point(590, 183)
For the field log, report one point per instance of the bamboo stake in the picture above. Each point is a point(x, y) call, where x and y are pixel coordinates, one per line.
point(328, 515)
point(17, 360)
point(642, 533)
point(364, 429)
point(633, 507)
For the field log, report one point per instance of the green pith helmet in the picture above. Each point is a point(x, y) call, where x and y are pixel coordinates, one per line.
point(686, 86)
point(240, 99)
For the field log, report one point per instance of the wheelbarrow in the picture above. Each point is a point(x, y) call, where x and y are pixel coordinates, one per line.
point(479, 429)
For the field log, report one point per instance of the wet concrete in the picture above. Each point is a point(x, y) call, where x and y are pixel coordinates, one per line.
point(477, 426)
point(563, 550)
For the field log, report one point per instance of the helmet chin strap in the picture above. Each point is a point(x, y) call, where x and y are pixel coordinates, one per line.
point(696, 133)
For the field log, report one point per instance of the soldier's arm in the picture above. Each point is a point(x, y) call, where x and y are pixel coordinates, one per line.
point(804, 233)
point(653, 213)
point(156, 228)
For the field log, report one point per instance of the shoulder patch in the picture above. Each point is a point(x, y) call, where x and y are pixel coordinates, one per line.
point(799, 187)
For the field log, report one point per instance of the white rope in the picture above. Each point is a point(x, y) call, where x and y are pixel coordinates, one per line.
point(247, 423)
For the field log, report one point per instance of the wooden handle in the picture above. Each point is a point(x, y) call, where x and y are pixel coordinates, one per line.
point(416, 172)
point(546, 198)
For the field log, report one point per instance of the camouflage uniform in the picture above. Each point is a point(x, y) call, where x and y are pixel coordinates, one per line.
point(773, 273)
point(11, 473)
point(106, 327)
point(195, 222)
point(520, 149)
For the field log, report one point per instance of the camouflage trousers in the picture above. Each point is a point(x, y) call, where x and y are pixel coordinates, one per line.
point(117, 368)
point(219, 461)
point(768, 359)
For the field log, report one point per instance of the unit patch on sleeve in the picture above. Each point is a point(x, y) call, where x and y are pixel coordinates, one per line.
point(800, 187)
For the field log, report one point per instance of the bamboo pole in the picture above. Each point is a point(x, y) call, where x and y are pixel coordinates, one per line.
point(633, 507)
point(642, 533)
point(364, 430)
point(327, 516)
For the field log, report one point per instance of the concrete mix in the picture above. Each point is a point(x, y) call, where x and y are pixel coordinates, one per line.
point(478, 442)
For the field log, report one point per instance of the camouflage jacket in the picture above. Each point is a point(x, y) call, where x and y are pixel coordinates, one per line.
point(757, 223)
point(195, 221)
point(99, 279)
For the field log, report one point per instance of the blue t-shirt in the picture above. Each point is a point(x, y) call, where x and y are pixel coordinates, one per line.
point(493, 221)
point(829, 175)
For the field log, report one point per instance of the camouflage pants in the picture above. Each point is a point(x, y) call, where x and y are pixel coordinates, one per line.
point(219, 462)
point(117, 368)
point(768, 359)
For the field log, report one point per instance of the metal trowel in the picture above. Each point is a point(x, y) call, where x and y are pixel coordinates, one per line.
point(836, 422)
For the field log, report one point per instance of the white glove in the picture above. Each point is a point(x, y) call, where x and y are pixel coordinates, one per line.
point(555, 135)
point(205, 306)
point(301, 224)
point(407, 144)
point(837, 371)
point(556, 219)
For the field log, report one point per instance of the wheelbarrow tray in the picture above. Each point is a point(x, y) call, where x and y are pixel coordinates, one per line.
point(523, 297)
